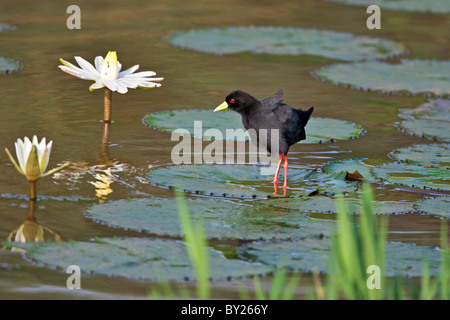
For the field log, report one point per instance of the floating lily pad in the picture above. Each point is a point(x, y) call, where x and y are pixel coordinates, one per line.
point(8, 65)
point(414, 176)
point(139, 258)
point(350, 166)
point(311, 255)
point(245, 180)
point(6, 27)
point(431, 155)
point(329, 205)
point(306, 255)
point(287, 41)
point(432, 6)
point(435, 206)
point(430, 129)
point(414, 76)
point(228, 180)
point(429, 120)
point(221, 219)
point(318, 130)
point(436, 109)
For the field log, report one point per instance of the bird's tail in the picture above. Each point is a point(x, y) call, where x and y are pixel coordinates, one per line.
point(305, 115)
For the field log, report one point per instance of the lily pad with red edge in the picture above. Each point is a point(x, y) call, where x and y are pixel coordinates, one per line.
point(222, 219)
point(434, 206)
point(287, 41)
point(318, 130)
point(408, 76)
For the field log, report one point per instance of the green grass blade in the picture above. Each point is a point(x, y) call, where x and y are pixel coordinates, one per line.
point(194, 235)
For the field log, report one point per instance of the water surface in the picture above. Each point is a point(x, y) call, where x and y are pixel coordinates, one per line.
point(42, 100)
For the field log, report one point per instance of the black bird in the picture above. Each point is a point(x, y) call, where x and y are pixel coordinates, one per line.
point(270, 113)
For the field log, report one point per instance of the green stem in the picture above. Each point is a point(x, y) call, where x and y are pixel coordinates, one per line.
point(106, 157)
point(32, 210)
point(33, 190)
point(108, 106)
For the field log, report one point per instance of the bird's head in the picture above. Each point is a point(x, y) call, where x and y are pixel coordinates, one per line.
point(237, 101)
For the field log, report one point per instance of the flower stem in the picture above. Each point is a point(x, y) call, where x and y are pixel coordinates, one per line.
point(105, 142)
point(32, 210)
point(108, 106)
point(32, 190)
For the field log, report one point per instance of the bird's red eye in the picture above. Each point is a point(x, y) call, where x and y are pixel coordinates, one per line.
point(231, 100)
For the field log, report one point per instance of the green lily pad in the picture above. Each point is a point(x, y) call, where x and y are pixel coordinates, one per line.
point(8, 65)
point(287, 41)
point(6, 27)
point(414, 76)
point(307, 255)
point(318, 130)
point(429, 120)
point(311, 255)
point(435, 206)
point(248, 181)
point(435, 109)
point(329, 205)
point(139, 258)
point(432, 6)
point(429, 129)
point(221, 219)
point(414, 176)
point(432, 155)
point(350, 166)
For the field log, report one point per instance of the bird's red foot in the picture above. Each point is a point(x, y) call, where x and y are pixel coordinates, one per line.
point(275, 187)
point(284, 189)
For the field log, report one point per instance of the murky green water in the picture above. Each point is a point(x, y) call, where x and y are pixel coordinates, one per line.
point(42, 100)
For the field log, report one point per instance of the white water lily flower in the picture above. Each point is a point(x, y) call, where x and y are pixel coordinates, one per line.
point(33, 157)
point(106, 73)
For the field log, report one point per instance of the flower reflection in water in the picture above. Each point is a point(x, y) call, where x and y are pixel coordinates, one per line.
point(105, 172)
point(103, 184)
point(31, 231)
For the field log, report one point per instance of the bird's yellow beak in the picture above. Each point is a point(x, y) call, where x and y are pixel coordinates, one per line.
point(224, 105)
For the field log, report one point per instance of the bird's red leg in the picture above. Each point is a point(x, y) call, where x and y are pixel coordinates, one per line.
point(275, 179)
point(285, 175)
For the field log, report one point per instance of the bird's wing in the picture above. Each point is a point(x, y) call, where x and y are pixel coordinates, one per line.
point(273, 102)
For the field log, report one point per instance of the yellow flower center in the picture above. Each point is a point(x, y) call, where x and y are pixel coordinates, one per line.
point(110, 69)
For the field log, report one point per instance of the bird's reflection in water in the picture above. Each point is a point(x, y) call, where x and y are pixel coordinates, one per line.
point(31, 231)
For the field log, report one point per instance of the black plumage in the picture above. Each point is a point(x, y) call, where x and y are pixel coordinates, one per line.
point(270, 113)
